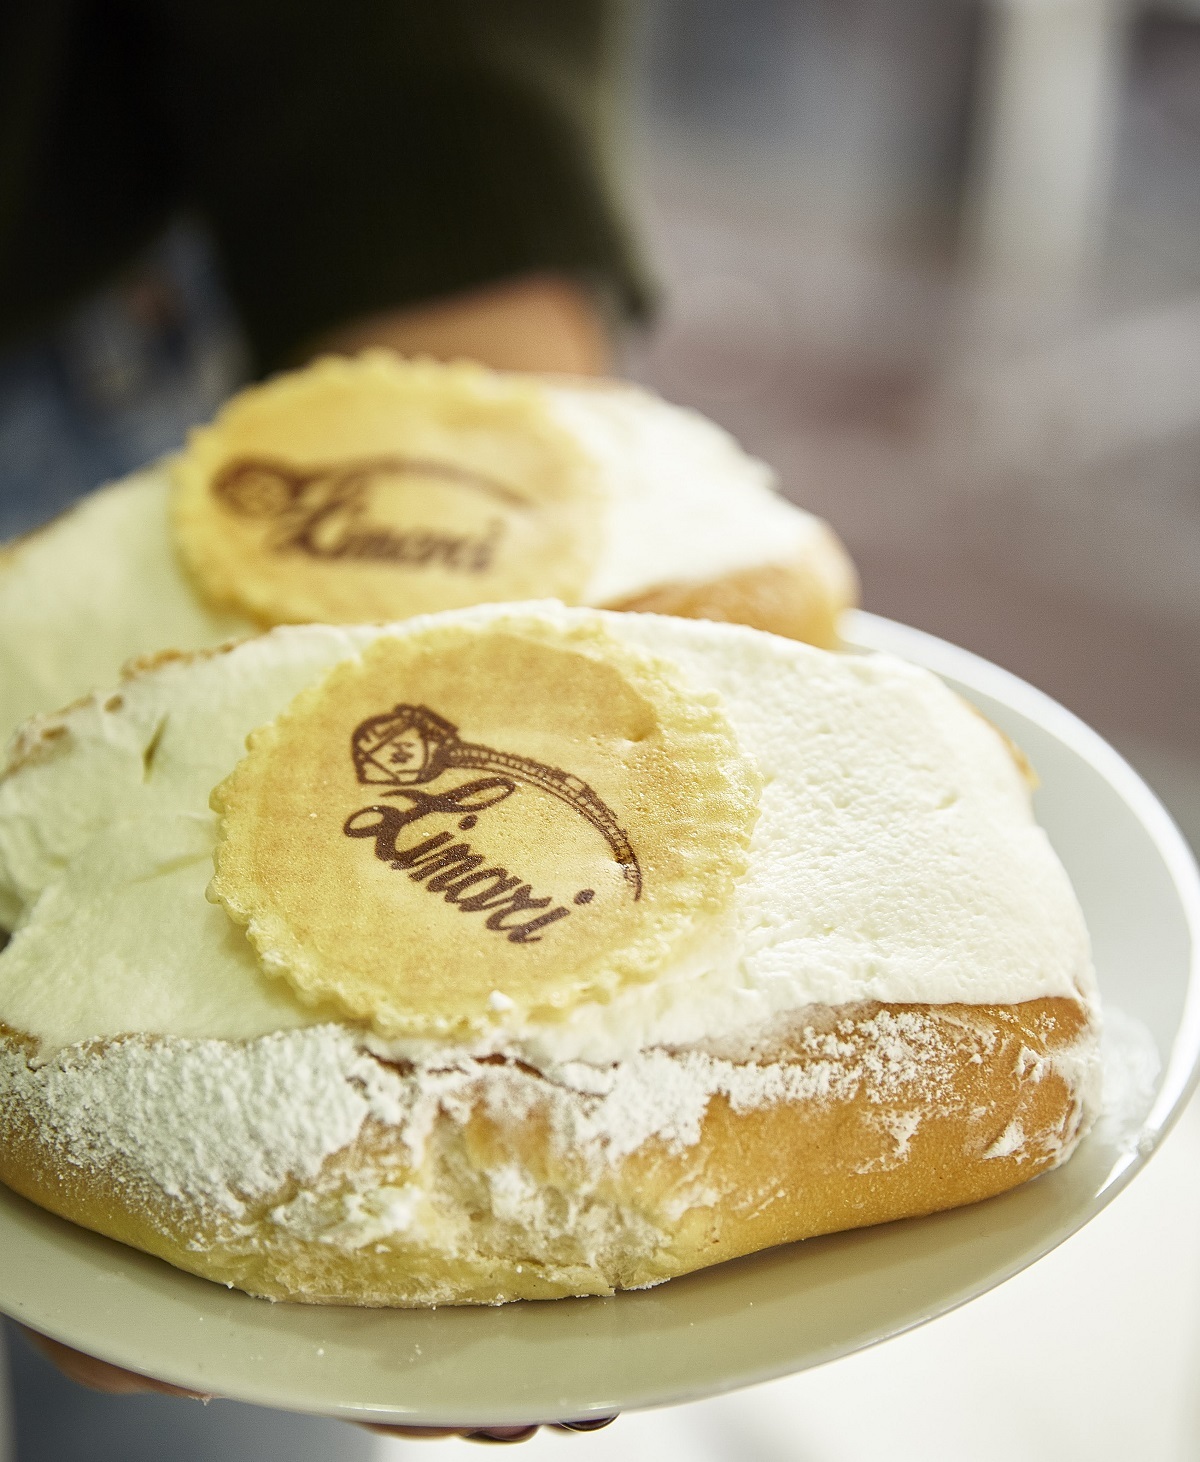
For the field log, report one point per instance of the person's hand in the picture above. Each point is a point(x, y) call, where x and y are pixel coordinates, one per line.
point(492, 1433)
point(98, 1375)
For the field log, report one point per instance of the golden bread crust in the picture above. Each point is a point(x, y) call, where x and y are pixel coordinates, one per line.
point(947, 1105)
point(801, 600)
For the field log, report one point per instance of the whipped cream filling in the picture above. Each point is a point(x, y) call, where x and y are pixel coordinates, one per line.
point(102, 584)
point(91, 590)
point(895, 856)
point(685, 503)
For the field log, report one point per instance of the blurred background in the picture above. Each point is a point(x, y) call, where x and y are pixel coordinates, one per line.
point(938, 262)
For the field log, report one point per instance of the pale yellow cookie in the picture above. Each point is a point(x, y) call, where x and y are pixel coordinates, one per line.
point(470, 825)
point(378, 488)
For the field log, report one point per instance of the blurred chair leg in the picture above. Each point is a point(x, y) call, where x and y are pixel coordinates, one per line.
point(1044, 130)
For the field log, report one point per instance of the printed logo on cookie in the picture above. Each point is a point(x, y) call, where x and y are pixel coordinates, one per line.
point(364, 510)
point(358, 492)
point(412, 745)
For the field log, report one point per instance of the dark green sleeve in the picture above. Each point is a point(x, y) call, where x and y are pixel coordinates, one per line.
point(353, 155)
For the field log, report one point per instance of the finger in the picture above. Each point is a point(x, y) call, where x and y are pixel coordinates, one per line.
point(420, 1433)
point(491, 1433)
point(478, 1434)
point(98, 1375)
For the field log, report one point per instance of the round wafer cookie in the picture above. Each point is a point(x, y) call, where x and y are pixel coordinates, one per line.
point(376, 488)
point(469, 827)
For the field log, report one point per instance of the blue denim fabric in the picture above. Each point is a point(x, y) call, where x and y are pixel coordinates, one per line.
point(117, 383)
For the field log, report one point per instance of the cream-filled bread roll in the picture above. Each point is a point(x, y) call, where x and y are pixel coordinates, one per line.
point(525, 951)
point(372, 489)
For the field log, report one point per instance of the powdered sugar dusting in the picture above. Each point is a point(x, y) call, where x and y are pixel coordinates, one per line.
point(221, 1124)
point(211, 1122)
point(1010, 1143)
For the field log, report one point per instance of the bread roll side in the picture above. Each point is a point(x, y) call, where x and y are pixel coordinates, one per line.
point(802, 599)
point(906, 1110)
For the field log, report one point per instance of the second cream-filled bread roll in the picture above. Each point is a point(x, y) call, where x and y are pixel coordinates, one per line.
point(372, 489)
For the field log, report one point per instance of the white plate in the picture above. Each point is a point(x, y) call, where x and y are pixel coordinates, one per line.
point(745, 1321)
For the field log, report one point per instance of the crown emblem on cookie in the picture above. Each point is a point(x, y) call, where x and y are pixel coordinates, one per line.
point(410, 745)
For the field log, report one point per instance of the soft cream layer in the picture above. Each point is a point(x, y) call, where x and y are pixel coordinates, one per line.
point(91, 590)
point(686, 504)
point(895, 856)
point(102, 584)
